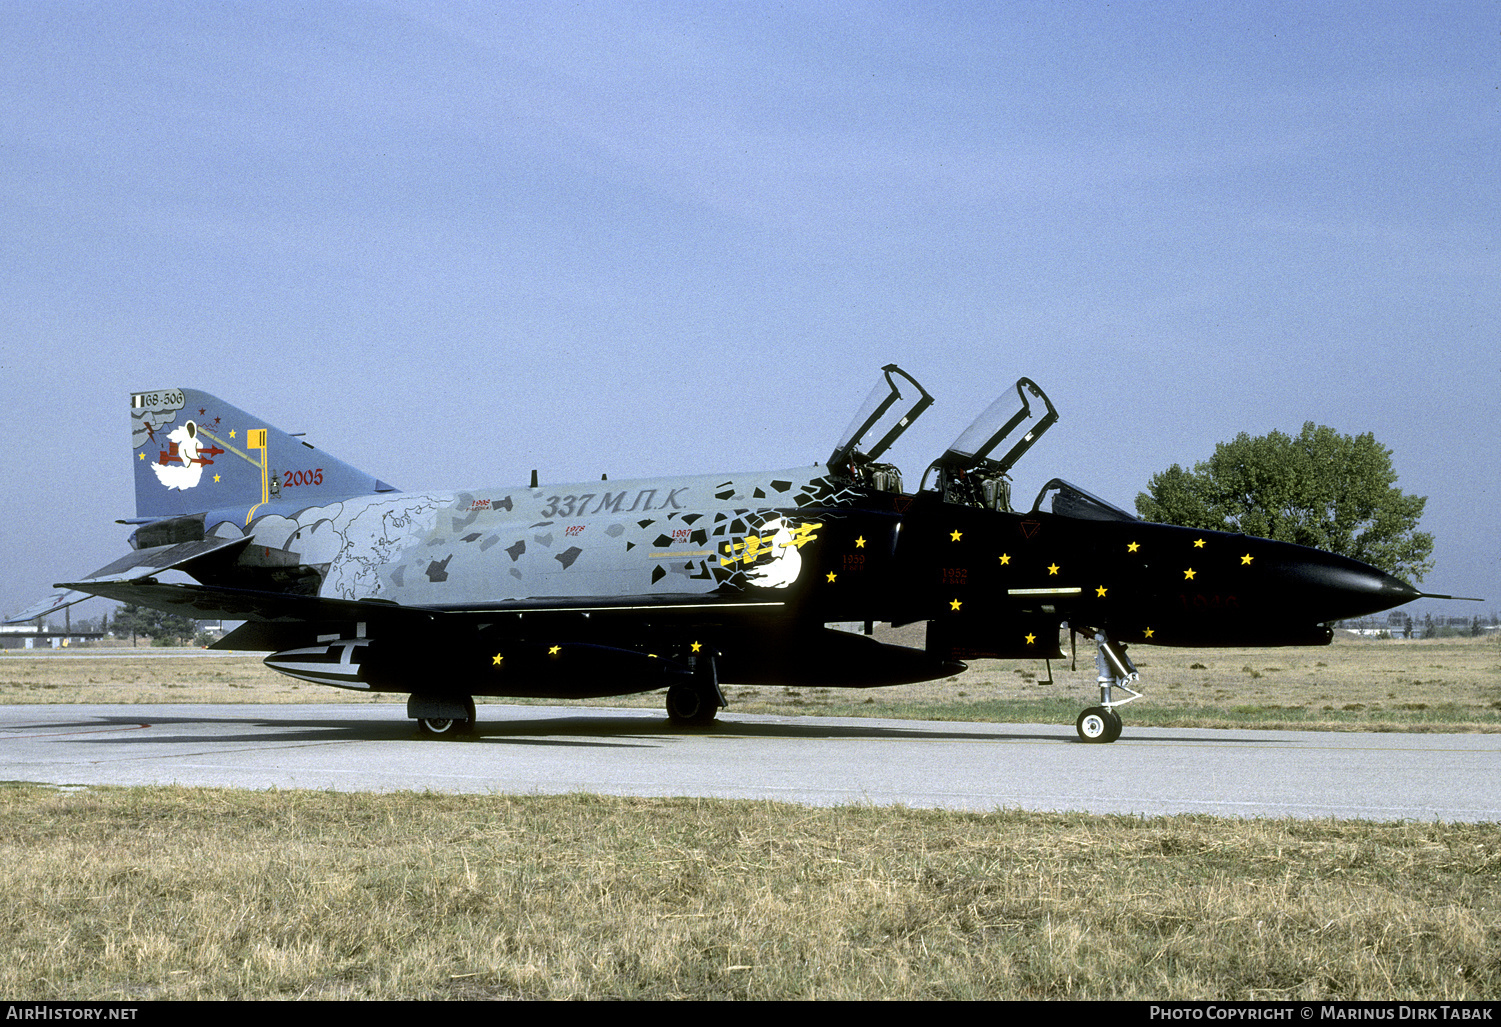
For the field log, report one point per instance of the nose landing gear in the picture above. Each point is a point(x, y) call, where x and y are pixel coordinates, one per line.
point(1101, 723)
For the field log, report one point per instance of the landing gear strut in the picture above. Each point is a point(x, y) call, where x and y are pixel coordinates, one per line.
point(694, 703)
point(1101, 723)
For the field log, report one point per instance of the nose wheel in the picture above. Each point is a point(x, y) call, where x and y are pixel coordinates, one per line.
point(1097, 724)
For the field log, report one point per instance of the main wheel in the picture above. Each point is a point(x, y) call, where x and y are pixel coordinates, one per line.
point(690, 707)
point(1098, 724)
point(448, 727)
point(440, 727)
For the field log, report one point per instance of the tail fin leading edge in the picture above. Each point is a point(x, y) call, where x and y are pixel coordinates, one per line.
point(194, 453)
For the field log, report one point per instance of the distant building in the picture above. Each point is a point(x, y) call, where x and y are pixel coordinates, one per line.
point(29, 636)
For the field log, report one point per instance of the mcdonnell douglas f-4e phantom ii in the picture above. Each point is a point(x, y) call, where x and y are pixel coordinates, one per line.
point(614, 587)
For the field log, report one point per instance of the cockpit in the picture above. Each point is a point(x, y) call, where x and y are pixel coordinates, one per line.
point(889, 410)
point(967, 474)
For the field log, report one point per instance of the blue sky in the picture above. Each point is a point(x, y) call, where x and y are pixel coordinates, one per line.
point(453, 242)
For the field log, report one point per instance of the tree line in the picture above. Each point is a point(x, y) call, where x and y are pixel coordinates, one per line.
point(137, 622)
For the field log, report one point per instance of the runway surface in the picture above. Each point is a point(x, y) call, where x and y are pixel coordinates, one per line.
point(811, 760)
point(146, 652)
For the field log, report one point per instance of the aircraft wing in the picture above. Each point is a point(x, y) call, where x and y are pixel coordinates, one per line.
point(273, 617)
point(684, 602)
point(140, 564)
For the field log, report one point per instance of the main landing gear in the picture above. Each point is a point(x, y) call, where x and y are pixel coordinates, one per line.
point(442, 716)
point(1101, 723)
point(694, 703)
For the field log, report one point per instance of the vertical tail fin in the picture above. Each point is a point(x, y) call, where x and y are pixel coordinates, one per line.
point(195, 453)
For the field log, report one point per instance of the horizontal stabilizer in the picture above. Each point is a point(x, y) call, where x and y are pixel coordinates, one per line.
point(203, 602)
point(145, 562)
point(55, 601)
point(140, 564)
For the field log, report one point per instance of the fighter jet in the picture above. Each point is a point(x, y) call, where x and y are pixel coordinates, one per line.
point(603, 588)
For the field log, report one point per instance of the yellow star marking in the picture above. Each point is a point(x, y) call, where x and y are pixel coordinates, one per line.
point(1100, 591)
point(141, 456)
point(955, 536)
point(832, 576)
point(498, 658)
point(1188, 575)
point(1031, 639)
point(860, 542)
point(1132, 547)
point(1053, 569)
point(1246, 560)
point(554, 650)
point(1148, 633)
point(697, 646)
point(954, 604)
point(1005, 559)
point(216, 477)
point(231, 433)
point(1198, 543)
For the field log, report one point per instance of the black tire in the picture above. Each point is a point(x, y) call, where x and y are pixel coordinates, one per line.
point(689, 707)
point(1115, 726)
point(1096, 725)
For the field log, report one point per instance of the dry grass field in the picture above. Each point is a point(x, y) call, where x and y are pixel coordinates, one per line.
point(1437, 685)
point(169, 893)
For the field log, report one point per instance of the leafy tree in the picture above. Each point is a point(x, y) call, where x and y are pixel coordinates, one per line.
point(1322, 489)
point(163, 628)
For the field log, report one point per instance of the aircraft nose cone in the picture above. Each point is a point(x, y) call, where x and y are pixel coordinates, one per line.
point(1338, 588)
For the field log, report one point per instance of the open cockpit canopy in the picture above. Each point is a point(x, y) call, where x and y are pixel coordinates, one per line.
point(971, 450)
point(891, 407)
point(968, 474)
